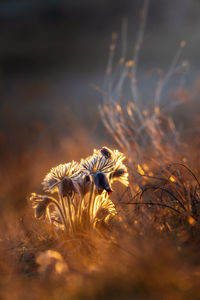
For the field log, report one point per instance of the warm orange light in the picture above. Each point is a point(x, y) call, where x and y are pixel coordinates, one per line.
point(140, 170)
point(130, 63)
point(129, 111)
point(172, 179)
point(191, 221)
point(118, 107)
point(145, 167)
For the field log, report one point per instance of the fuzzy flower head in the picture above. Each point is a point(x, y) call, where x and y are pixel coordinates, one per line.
point(40, 204)
point(97, 167)
point(97, 163)
point(119, 172)
point(84, 184)
point(62, 179)
point(104, 209)
point(101, 183)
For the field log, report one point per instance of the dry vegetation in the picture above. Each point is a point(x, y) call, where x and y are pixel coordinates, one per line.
point(149, 249)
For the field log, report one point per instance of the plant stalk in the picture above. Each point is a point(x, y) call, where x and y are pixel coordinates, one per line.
point(70, 214)
point(90, 203)
point(61, 212)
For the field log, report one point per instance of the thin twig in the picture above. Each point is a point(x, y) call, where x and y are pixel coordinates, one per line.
point(165, 190)
point(152, 203)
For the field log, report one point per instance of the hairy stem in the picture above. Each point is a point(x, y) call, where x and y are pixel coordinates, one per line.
point(70, 214)
point(92, 207)
point(61, 212)
point(81, 201)
point(89, 204)
point(63, 205)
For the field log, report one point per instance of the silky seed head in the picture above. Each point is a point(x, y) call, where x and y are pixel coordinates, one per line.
point(58, 174)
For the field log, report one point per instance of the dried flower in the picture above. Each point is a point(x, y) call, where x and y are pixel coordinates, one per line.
point(40, 204)
point(62, 179)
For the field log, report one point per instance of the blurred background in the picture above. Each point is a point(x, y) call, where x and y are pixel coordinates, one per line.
point(51, 54)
